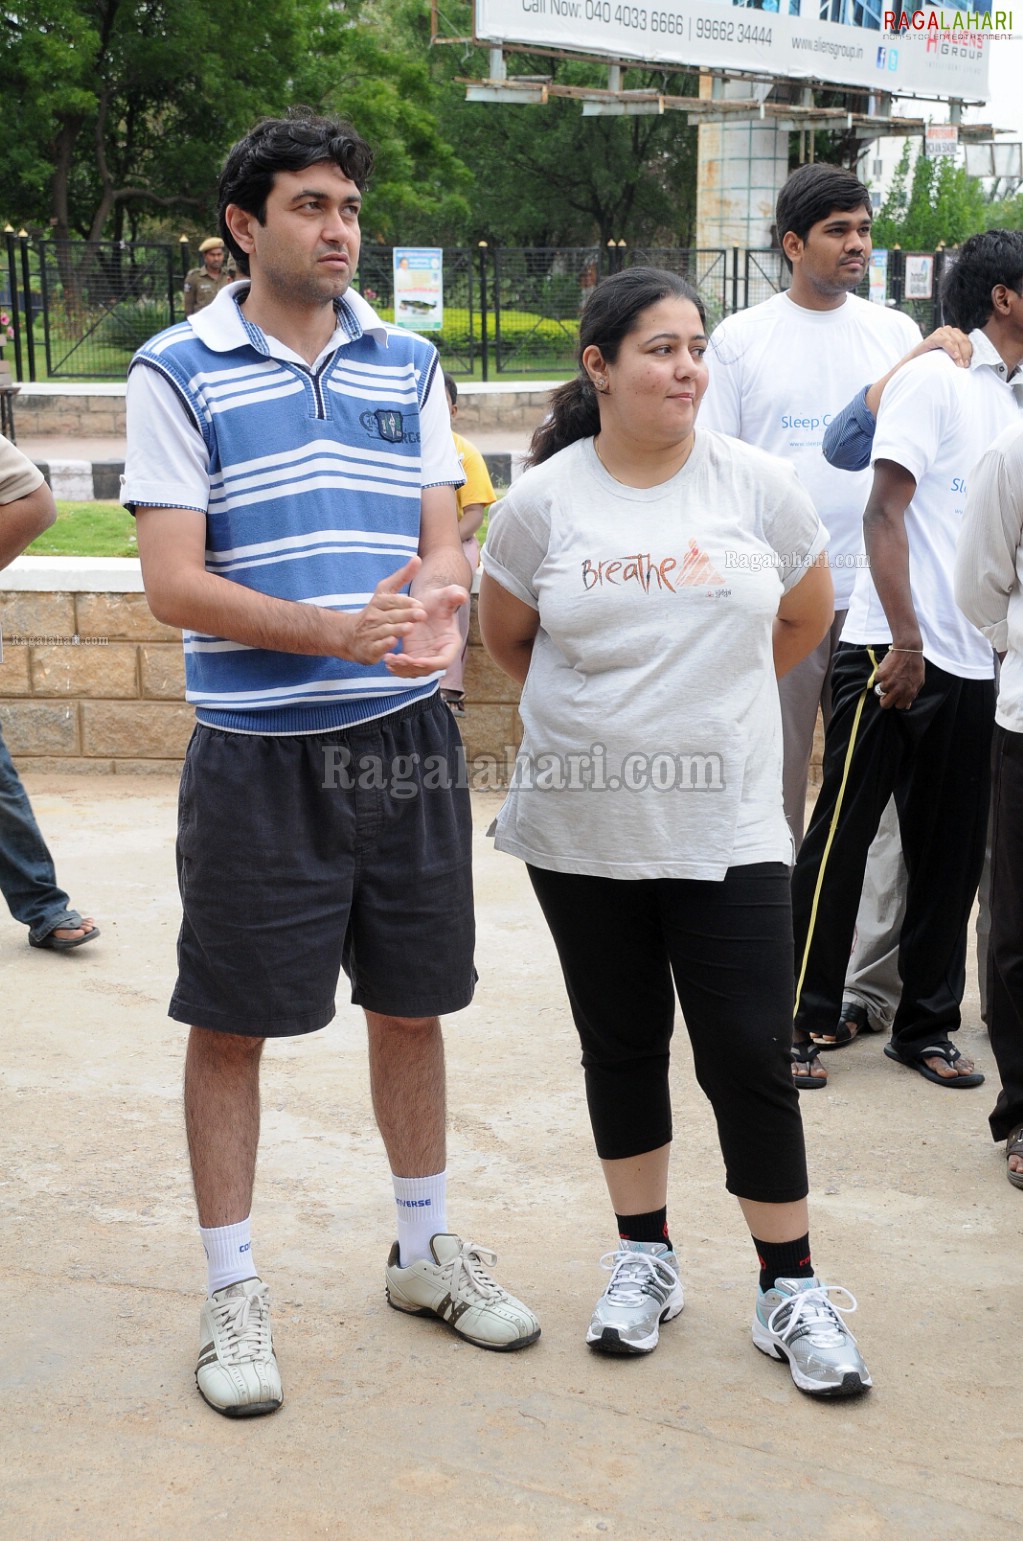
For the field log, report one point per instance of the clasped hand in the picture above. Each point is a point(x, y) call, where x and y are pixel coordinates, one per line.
point(425, 624)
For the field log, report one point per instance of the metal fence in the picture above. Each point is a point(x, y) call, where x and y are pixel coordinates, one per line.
point(79, 309)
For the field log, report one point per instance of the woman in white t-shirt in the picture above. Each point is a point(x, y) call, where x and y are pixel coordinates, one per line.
point(645, 584)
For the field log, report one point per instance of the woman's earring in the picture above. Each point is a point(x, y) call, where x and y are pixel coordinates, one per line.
point(601, 384)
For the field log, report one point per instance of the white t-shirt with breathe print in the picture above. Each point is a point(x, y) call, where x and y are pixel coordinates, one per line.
point(652, 742)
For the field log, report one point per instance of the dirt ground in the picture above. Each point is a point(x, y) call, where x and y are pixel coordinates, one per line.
point(390, 1424)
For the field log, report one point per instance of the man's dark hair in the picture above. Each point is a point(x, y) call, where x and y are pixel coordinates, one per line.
point(285, 144)
point(451, 388)
point(810, 195)
point(994, 257)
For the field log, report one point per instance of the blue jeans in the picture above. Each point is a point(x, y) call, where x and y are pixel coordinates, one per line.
point(27, 878)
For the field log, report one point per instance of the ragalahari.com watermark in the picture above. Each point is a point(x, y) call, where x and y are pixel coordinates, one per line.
point(760, 561)
point(29, 641)
point(74, 641)
point(407, 776)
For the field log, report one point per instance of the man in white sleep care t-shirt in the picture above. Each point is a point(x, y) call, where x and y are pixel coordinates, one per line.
point(779, 372)
point(913, 682)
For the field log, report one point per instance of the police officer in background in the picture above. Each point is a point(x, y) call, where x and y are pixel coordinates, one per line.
point(202, 285)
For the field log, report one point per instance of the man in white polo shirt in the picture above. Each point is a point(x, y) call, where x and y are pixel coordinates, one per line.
point(913, 689)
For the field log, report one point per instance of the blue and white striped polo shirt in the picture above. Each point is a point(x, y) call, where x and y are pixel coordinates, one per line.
point(315, 480)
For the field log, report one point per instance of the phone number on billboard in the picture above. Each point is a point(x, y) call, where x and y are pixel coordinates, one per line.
point(667, 23)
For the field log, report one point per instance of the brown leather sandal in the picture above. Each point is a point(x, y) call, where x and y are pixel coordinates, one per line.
point(1014, 1147)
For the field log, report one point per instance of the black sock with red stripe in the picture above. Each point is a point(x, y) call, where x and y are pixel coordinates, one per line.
point(783, 1260)
point(649, 1227)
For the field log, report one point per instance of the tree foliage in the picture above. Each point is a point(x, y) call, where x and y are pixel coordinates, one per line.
point(938, 204)
point(128, 106)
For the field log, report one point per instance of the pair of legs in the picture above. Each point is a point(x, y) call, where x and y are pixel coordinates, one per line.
point(934, 759)
point(406, 1063)
point(637, 1185)
point(872, 981)
point(727, 947)
point(28, 879)
point(298, 856)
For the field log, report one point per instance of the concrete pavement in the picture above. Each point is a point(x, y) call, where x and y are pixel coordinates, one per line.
point(391, 1425)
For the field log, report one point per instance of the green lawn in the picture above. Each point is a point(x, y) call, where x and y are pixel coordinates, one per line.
point(88, 529)
point(107, 529)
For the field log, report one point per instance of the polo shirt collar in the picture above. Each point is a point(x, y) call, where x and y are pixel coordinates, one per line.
point(987, 356)
point(222, 325)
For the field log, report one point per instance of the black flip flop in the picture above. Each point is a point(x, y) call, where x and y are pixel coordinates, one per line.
point(941, 1050)
point(805, 1054)
point(843, 1037)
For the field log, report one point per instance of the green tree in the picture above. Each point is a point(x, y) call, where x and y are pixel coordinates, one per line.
point(128, 106)
point(941, 204)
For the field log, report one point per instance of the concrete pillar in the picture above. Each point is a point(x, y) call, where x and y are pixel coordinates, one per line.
point(741, 169)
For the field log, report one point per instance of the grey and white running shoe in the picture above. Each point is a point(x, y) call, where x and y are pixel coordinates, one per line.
point(798, 1321)
point(644, 1290)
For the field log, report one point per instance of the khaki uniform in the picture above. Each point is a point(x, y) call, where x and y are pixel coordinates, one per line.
point(201, 288)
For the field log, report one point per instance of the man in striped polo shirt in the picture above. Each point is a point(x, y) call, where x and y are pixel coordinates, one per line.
point(291, 468)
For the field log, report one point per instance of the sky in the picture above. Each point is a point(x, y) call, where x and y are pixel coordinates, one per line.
point(1005, 106)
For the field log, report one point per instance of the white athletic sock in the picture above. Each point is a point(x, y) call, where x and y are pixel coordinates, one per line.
point(421, 1205)
point(228, 1254)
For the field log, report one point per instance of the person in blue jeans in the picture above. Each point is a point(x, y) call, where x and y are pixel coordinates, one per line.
point(28, 880)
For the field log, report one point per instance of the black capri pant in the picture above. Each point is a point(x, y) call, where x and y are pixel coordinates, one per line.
point(728, 947)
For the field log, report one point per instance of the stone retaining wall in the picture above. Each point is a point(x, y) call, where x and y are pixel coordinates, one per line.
point(97, 411)
point(69, 411)
point(90, 682)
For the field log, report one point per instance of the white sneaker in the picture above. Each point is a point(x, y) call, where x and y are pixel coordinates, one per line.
point(798, 1321)
point(643, 1291)
point(237, 1373)
point(457, 1289)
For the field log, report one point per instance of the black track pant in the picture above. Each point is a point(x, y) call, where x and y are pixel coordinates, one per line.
point(1005, 956)
point(935, 758)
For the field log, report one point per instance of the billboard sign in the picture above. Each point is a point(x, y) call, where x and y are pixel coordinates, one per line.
point(941, 139)
point(838, 41)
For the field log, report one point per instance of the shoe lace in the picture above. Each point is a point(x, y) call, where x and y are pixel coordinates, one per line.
point(244, 1322)
point(632, 1273)
point(467, 1271)
point(813, 1311)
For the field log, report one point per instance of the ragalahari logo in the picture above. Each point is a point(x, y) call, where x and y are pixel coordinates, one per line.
point(948, 21)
